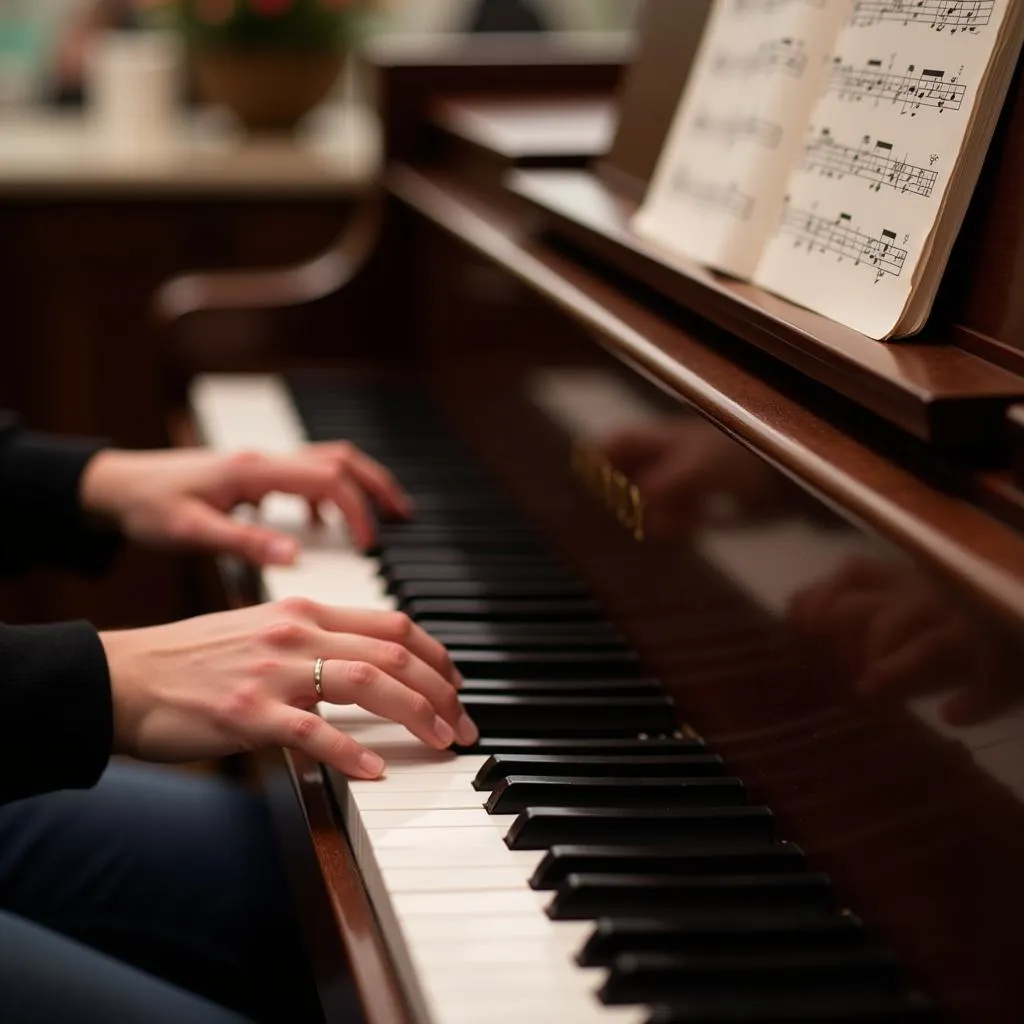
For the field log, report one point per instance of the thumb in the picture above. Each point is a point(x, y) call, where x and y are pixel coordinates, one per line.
point(207, 528)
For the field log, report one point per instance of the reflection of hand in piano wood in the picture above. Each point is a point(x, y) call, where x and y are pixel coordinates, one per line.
point(688, 472)
point(891, 634)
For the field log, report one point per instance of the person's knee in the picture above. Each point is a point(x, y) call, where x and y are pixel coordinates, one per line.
point(47, 978)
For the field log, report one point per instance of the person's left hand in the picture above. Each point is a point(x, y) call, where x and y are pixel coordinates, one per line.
point(183, 498)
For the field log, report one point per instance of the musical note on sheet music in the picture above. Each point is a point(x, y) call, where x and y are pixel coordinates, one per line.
point(728, 198)
point(733, 129)
point(873, 162)
point(954, 15)
point(778, 55)
point(818, 234)
point(929, 87)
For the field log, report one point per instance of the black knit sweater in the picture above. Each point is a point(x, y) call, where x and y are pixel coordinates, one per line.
point(56, 717)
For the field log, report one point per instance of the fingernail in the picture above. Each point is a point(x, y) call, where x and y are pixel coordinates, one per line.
point(282, 550)
point(444, 732)
point(458, 679)
point(466, 730)
point(370, 763)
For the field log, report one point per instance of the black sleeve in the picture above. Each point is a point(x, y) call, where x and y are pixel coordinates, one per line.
point(41, 521)
point(56, 714)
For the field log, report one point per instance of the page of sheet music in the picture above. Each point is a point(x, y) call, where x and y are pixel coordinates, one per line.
point(881, 145)
point(716, 193)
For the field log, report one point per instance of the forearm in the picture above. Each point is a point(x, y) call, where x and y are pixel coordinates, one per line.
point(56, 712)
point(41, 517)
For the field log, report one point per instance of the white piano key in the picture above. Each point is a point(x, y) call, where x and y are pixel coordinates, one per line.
point(431, 930)
point(435, 838)
point(459, 953)
point(390, 800)
point(470, 904)
point(524, 861)
point(516, 1005)
point(463, 878)
point(468, 763)
point(537, 979)
point(457, 820)
point(414, 782)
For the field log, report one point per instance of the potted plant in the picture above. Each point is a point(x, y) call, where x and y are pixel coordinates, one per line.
point(270, 61)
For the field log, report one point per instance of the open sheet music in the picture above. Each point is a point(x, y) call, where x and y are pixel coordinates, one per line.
point(827, 149)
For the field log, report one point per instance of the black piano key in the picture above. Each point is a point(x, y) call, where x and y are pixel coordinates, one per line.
point(490, 631)
point(455, 571)
point(491, 536)
point(500, 766)
point(581, 897)
point(454, 639)
point(672, 859)
point(466, 521)
point(576, 609)
point(568, 716)
point(489, 664)
point(538, 828)
point(652, 977)
point(517, 792)
point(652, 746)
point(481, 503)
point(455, 555)
point(730, 933)
point(522, 590)
point(597, 689)
point(796, 1008)
point(393, 539)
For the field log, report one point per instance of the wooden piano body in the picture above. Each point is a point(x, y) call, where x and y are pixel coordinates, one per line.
point(771, 508)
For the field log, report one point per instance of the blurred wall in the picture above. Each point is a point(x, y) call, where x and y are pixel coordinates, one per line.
point(562, 15)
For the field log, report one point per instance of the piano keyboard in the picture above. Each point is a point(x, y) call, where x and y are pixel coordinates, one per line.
point(587, 862)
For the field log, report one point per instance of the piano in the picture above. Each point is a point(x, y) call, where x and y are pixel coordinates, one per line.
point(738, 594)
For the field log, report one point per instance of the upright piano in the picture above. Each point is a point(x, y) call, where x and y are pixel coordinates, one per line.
point(738, 593)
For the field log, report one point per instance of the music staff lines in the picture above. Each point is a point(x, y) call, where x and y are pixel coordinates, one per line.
point(817, 234)
point(928, 87)
point(727, 198)
point(954, 15)
point(782, 55)
point(733, 129)
point(874, 163)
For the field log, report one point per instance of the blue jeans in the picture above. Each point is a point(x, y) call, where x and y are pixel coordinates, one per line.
point(154, 897)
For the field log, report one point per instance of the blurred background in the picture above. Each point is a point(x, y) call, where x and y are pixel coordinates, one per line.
point(142, 140)
point(45, 44)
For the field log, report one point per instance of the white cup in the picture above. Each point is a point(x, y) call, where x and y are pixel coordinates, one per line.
point(132, 84)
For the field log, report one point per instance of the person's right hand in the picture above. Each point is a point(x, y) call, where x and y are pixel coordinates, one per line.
point(240, 680)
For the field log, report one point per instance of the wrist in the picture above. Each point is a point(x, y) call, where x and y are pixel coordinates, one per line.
point(102, 483)
point(121, 650)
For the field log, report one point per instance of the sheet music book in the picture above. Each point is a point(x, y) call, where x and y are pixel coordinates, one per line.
point(827, 150)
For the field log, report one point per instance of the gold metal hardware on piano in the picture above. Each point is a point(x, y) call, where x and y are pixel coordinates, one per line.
point(609, 485)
